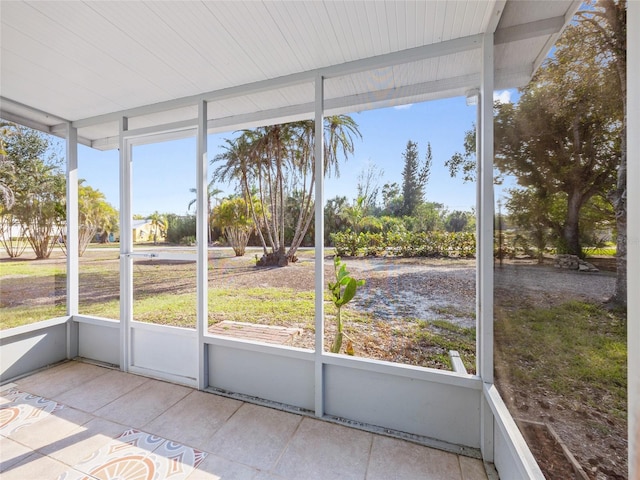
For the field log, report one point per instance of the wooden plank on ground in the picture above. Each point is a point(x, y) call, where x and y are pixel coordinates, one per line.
point(256, 332)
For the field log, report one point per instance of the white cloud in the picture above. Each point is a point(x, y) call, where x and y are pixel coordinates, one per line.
point(403, 107)
point(502, 97)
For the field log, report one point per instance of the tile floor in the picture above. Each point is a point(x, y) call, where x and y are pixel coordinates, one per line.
point(80, 421)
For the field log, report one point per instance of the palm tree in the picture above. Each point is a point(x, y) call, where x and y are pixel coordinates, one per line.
point(276, 161)
point(339, 132)
point(212, 192)
point(357, 216)
point(233, 217)
point(239, 164)
point(159, 223)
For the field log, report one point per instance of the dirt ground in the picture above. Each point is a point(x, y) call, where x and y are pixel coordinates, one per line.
point(424, 289)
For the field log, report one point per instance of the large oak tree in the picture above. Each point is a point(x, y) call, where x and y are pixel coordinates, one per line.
point(605, 28)
point(563, 136)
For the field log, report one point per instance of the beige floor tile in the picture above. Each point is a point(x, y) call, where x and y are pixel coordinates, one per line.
point(52, 429)
point(5, 392)
point(83, 441)
point(144, 403)
point(254, 435)
point(101, 391)
point(130, 450)
point(35, 467)
point(321, 450)
point(215, 468)
point(175, 455)
point(52, 382)
point(24, 411)
point(194, 419)
point(472, 468)
point(169, 468)
point(72, 474)
point(12, 452)
point(270, 476)
point(400, 460)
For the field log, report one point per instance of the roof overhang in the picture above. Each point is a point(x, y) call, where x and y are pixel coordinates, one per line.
point(91, 63)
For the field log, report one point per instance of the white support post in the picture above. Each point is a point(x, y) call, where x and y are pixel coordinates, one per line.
point(202, 222)
point(126, 246)
point(72, 220)
point(479, 268)
point(485, 244)
point(633, 234)
point(319, 243)
point(73, 270)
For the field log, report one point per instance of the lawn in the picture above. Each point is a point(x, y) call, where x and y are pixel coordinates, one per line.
point(567, 366)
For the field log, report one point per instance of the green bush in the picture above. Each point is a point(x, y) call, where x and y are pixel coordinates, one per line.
point(403, 243)
point(180, 227)
point(346, 243)
point(463, 244)
point(188, 240)
point(373, 244)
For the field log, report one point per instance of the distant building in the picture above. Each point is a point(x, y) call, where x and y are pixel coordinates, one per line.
point(144, 230)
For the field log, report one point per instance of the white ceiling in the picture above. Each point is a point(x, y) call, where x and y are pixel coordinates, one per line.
point(92, 62)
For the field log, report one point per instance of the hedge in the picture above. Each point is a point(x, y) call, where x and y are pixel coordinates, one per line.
point(405, 244)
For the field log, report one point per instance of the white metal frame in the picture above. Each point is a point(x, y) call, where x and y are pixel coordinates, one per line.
point(484, 349)
point(141, 342)
point(202, 226)
point(633, 234)
point(73, 266)
point(319, 246)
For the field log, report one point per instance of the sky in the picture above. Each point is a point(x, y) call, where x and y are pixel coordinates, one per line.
point(164, 173)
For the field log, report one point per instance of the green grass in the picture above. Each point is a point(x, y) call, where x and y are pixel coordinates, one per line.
point(110, 309)
point(271, 306)
point(268, 306)
point(442, 336)
point(600, 252)
point(575, 350)
point(167, 309)
point(18, 316)
point(31, 269)
point(452, 311)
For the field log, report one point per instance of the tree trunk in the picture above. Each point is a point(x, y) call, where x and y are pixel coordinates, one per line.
point(304, 221)
point(274, 259)
point(571, 228)
point(249, 202)
point(620, 208)
point(620, 199)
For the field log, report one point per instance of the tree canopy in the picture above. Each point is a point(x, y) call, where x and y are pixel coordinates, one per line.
point(276, 162)
point(233, 217)
point(563, 136)
point(32, 175)
point(414, 177)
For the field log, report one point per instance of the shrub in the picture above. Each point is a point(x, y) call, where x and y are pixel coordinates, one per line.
point(346, 243)
point(403, 243)
point(373, 244)
point(179, 227)
point(188, 240)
